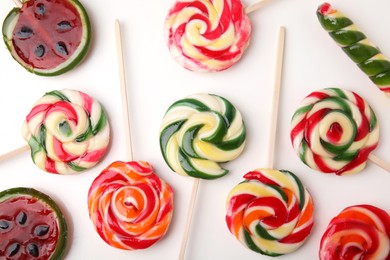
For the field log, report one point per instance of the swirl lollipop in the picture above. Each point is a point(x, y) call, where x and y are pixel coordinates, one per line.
point(67, 132)
point(270, 212)
point(358, 232)
point(335, 130)
point(196, 135)
point(129, 205)
point(208, 36)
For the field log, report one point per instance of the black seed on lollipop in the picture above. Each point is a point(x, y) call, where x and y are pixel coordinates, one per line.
point(4, 224)
point(33, 250)
point(61, 49)
point(64, 26)
point(41, 9)
point(39, 50)
point(24, 33)
point(41, 230)
point(13, 249)
point(21, 218)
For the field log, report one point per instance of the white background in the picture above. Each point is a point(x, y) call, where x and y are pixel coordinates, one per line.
point(155, 80)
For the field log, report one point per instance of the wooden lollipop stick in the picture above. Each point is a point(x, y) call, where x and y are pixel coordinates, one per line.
point(253, 7)
point(15, 152)
point(275, 96)
point(189, 218)
point(122, 78)
point(18, 3)
point(379, 162)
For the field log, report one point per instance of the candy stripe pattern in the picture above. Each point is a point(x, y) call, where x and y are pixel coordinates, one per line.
point(358, 232)
point(67, 132)
point(334, 131)
point(205, 35)
point(355, 44)
point(270, 212)
point(198, 133)
point(130, 206)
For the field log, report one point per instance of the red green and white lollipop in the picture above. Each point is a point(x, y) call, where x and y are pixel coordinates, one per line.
point(48, 38)
point(32, 226)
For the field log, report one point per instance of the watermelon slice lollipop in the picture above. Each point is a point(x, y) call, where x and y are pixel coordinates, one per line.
point(48, 38)
point(32, 226)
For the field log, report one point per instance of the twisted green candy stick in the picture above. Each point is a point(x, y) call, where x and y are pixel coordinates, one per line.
point(200, 132)
point(356, 45)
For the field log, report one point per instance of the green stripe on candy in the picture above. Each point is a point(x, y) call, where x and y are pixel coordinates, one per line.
point(303, 151)
point(302, 110)
point(230, 111)
point(347, 37)
point(382, 79)
point(220, 132)
point(373, 120)
point(360, 52)
point(192, 171)
point(101, 123)
point(374, 67)
point(190, 102)
point(188, 145)
point(346, 157)
point(76, 167)
point(333, 23)
point(84, 136)
point(263, 233)
point(58, 94)
point(301, 188)
point(233, 143)
point(251, 245)
point(166, 135)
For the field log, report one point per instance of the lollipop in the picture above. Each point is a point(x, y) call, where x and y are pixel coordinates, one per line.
point(48, 38)
point(208, 36)
point(334, 131)
point(32, 226)
point(67, 132)
point(358, 232)
point(355, 44)
point(270, 212)
point(129, 205)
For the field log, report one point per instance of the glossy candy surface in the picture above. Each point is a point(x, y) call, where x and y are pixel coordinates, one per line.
point(207, 36)
point(200, 132)
point(357, 232)
point(67, 132)
point(31, 226)
point(130, 206)
point(355, 44)
point(48, 37)
point(334, 131)
point(270, 212)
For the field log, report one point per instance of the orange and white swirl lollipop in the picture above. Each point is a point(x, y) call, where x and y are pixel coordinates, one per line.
point(130, 206)
point(357, 232)
point(205, 35)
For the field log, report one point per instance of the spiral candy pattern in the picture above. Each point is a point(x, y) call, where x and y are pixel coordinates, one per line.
point(358, 232)
point(270, 212)
point(67, 132)
point(355, 44)
point(130, 206)
point(198, 133)
point(334, 131)
point(207, 35)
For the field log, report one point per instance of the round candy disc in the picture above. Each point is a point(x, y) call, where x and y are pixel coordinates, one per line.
point(270, 212)
point(67, 132)
point(48, 37)
point(31, 226)
point(198, 133)
point(207, 35)
point(334, 131)
point(358, 232)
point(130, 206)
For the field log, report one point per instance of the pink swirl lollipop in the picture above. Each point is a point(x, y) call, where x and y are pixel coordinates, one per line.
point(130, 207)
point(207, 36)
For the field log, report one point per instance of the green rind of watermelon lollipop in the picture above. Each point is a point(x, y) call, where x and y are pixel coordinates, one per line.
point(48, 38)
point(32, 226)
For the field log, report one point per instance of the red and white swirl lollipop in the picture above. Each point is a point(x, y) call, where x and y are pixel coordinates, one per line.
point(334, 131)
point(67, 132)
point(208, 35)
point(129, 205)
point(357, 232)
